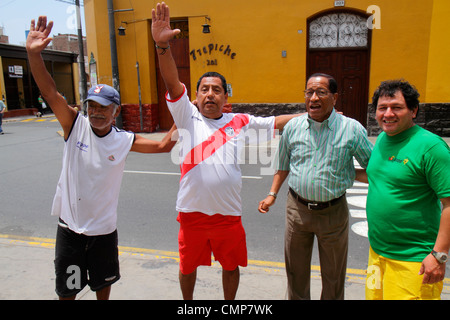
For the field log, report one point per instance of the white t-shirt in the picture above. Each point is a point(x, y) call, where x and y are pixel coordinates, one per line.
point(210, 153)
point(87, 193)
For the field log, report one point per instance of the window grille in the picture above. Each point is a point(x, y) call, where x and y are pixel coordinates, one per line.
point(338, 30)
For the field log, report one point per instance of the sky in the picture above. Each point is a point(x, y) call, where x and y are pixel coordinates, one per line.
point(16, 15)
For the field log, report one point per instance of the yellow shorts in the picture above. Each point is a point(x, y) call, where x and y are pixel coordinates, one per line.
point(389, 279)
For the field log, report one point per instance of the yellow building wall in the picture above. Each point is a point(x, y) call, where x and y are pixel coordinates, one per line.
point(408, 45)
point(76, 81)
point(400, 47)
point(2, 84)
point(438, 89)
point(97, 38)
point(136, 46)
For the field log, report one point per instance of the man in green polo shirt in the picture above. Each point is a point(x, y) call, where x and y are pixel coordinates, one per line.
point(317, 150)
point(408, 172)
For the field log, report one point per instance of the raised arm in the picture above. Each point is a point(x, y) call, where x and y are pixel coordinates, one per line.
point(38, 39)
point(162, 34)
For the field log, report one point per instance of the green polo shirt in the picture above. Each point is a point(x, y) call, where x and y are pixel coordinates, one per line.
point(408, 174)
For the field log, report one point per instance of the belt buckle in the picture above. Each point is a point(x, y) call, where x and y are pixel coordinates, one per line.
point(312, 206)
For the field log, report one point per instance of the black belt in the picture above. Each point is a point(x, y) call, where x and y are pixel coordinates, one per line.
point(313, 205)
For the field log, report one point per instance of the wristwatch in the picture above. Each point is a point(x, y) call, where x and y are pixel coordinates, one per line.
point(440, 256)
point(273, 194)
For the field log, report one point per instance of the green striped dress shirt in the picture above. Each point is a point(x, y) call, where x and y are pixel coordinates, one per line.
point(319, 156)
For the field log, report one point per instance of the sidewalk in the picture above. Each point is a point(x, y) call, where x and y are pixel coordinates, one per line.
point(27, 273)
point(28, 118)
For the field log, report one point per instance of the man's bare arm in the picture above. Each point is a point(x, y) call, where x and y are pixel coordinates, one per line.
point(144, 145)
point(277, 182)
point(37, 40)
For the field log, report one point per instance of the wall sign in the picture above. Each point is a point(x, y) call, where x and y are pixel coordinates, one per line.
point(210, 49)
point(15, 71)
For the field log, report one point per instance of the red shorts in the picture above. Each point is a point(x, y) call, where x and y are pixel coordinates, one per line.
point(200, 234)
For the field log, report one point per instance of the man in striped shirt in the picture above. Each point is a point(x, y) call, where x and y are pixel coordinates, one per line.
point(317, 150)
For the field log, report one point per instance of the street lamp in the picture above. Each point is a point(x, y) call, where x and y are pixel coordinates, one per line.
point(206, 26)
point(121, 31)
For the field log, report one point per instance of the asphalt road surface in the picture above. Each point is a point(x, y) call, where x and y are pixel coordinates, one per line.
point(30, 164)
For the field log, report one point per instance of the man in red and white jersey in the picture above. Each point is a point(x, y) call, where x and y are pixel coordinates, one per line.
point(211, 141)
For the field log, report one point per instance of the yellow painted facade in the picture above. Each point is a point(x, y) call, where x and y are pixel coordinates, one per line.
point(411, 43)
point(438, 69)
point(2, 81)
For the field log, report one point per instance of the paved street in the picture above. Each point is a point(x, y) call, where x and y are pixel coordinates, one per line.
point(30, 154)
point(32, 149)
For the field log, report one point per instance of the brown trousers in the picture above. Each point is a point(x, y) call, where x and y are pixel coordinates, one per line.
point(330, 226)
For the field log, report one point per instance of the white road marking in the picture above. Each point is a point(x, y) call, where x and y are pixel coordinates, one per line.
point(178, 174)
point(357, 201)
point(360, 228)
point(356, 196)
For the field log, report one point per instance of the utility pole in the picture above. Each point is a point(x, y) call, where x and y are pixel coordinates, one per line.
point(81, 62)
point(114, 62)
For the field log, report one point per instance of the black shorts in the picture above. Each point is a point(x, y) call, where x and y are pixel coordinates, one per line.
point(82, 260)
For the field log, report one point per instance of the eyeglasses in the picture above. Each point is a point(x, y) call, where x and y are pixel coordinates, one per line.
point(321, 93)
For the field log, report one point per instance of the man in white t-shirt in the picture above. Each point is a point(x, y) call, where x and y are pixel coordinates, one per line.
point(208, 200)
point(88, 189)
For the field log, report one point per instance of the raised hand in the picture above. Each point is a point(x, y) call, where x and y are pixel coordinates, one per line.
point(161, 31)
point(38, 37)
